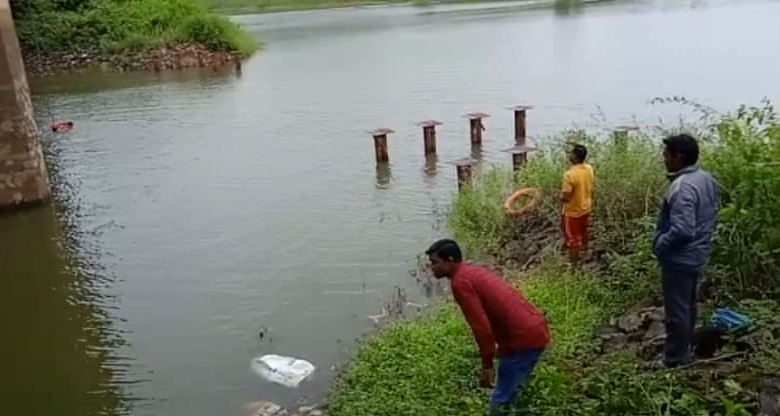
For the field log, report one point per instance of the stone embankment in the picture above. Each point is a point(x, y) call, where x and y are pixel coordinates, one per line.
point(167, 57)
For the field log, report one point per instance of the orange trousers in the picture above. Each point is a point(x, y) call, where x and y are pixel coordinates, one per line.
point(575, 230)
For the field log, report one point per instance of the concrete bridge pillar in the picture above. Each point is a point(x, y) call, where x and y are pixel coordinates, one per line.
point(23, 177)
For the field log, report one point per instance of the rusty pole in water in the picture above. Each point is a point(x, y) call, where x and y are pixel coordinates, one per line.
point(380, 144)
point(429, 135)
point(464, 170)
point(520, 119)
point(519, 155)
point(476, 127)
point(620, 135)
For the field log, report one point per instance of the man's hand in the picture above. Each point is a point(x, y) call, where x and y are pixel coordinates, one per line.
point(486, 378)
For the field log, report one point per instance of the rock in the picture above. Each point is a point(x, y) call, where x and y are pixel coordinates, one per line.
point(656, 314)
point(265, 408)
point(629, 323)
point(310, 411)
point(657, 329)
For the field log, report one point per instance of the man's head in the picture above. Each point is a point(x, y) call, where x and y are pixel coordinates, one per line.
point(680, 151)
point(444, 255)
point(578, 154)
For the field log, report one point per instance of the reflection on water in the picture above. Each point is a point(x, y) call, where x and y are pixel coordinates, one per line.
point(476, 152)
point(59, 342)
point(431, 162)
point(99, 81)
point(383, 175)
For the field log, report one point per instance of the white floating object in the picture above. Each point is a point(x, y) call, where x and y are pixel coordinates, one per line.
point(287, 371)
point(377, 319)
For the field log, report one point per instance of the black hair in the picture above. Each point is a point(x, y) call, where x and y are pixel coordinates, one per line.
point(685, 146)
point(580, 151)
point(445, 249)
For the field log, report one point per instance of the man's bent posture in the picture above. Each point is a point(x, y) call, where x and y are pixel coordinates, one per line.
point(498, 314)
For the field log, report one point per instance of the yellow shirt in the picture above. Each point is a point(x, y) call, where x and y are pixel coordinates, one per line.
point(579, 181)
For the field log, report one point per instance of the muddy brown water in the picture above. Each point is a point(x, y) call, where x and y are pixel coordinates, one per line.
point(199, 208)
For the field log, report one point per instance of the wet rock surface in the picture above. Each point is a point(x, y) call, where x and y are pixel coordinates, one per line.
point(167, 57)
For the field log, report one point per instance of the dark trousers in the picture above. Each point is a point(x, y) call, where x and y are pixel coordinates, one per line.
point(679, 290)
point(513, 371)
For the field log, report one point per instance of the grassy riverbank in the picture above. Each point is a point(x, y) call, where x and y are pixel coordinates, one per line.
point(100, 28)
point(426, 365)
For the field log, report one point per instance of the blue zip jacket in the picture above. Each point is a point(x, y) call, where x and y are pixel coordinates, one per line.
point(683, 234)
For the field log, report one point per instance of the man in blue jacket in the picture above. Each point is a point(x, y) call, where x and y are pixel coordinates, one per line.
point(683, 240)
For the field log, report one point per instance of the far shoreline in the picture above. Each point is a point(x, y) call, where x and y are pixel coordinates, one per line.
point(181, 55)
point(358, 4)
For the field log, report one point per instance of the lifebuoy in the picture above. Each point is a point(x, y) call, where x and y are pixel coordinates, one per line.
point(536, 198)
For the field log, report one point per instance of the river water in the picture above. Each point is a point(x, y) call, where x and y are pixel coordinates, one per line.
point(198, 209)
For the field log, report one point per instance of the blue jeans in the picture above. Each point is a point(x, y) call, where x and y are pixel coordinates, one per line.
point(513, 371)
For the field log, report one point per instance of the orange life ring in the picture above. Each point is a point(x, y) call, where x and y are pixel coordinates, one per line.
point(536, 198)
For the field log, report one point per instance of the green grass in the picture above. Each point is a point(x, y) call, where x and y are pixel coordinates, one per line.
point(426, 365)
point(113, 26)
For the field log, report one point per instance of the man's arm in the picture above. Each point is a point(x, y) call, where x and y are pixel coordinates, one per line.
point(567, 189)
point(682, 220)
point(475, 315)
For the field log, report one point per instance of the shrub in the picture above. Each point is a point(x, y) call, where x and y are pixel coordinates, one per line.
point(745, 158)
point(741, 149)
point(115, 26)
point(216, 32)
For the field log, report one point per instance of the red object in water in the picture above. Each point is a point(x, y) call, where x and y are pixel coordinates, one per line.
point(60, 125)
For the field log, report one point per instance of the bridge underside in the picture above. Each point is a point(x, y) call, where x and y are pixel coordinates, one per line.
point(23, 178)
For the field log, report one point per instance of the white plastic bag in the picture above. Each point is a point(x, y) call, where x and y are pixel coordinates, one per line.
point(287, 371)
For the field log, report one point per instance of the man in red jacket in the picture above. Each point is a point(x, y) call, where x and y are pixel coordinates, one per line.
point(498, 314)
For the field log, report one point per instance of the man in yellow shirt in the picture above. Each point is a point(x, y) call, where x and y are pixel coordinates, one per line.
point(577, 199)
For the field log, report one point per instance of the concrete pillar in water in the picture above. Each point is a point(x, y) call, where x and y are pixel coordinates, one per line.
point(464, 169)
point(620, 135)
point(23, 177)
point(429, 135)
point(520, 113)
point(519, 155)
point(380, 144)
point(476, 127)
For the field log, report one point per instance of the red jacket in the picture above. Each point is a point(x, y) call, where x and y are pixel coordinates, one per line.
point(498, 313)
